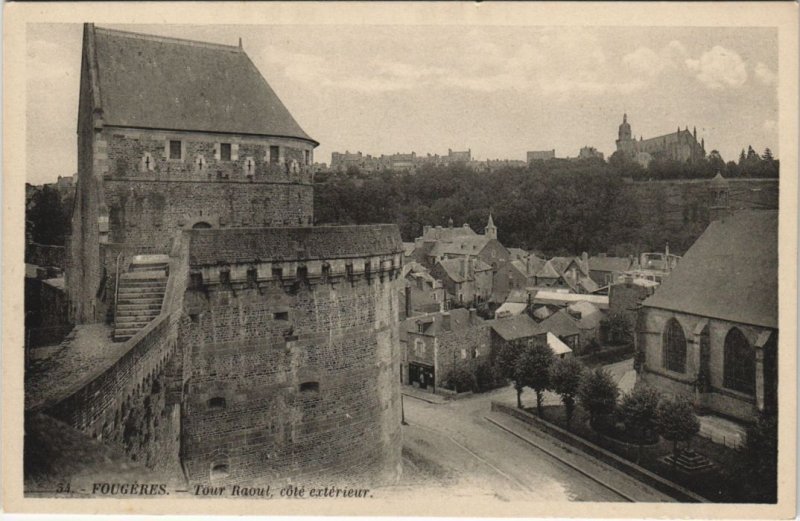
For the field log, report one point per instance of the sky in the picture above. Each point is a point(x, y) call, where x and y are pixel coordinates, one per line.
point(498, 91)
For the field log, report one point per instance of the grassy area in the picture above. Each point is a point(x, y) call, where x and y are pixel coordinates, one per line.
point(715, 484)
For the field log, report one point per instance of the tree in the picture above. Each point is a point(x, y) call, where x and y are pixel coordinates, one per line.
point(565, 379)
point(534, 370)
point(507, 367)
point(638, 412)
point(598, 395)
point(676, 422)
point(618, 328)
point(48, 217)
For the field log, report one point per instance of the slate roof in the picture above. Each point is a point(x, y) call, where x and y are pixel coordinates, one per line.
point(729, 273)
point(519, 326)
point(560, 324)
point(454, 270)
point(245, 245)
point(517, 253)
point(166, 83)
point(465, 245)
point(548, 271)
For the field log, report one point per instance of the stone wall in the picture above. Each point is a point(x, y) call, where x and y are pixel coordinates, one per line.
point(147, 214)
point(465, 348)
point(291, 375)
point(681, 207)
point(652, 322)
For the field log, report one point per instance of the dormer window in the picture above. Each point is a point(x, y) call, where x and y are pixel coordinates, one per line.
point(225, 151)
point(175, 150)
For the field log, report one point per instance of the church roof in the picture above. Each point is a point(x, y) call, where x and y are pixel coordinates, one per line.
point(149, 81)
point(729, 273)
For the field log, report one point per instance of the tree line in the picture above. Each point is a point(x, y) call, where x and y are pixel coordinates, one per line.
point(556, 207)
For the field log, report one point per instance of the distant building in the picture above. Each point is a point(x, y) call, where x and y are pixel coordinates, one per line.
point(680, 146)
point(588, 152)
point(518, 331)
point(541, 155)
point(605, 270)
point(710, 331)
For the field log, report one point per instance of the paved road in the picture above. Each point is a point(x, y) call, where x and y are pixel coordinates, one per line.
point(453, 445)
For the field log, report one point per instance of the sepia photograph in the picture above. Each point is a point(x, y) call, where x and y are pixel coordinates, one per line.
point(464, 254)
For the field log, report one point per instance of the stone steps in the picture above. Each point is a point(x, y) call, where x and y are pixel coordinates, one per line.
point(140, 296)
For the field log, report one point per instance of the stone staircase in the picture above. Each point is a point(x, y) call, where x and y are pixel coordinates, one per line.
point(141, 294)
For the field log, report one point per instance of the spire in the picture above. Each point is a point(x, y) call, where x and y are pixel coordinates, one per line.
point(490, 230)
point(625, 118)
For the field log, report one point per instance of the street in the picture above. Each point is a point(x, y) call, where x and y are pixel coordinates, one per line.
point(452, 445)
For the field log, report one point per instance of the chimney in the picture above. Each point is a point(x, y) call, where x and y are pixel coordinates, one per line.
point(240, 42)
point(446, 321)
point(473, 316)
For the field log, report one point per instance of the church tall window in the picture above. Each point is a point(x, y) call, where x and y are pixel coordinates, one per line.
point(739, 363)
point(674, 347)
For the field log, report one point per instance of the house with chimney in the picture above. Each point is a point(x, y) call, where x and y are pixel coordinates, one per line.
point(422, 292)
point(438, 243)
point(466, 280)
point(439, 343)
point(514, 275)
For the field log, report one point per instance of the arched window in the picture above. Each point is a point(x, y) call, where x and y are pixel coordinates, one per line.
point(674, 347)
point(739, 363)
point(219, 471)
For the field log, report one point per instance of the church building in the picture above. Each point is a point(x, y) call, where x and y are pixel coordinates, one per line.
point(680, 146)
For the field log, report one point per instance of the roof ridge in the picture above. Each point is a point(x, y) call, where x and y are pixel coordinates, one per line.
point(169, 39)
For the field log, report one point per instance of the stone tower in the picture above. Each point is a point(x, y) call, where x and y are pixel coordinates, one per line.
point(284, 336)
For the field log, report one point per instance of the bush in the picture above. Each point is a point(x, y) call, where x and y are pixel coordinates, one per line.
point(676, 422)
point(461, 380)
point(488, 377)
point(638, 413)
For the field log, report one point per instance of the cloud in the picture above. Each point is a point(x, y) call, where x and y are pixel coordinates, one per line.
point(765, 75)
point(651, 63)
point(719, 68)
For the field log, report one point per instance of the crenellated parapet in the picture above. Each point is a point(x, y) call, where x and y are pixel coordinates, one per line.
point(250, 256)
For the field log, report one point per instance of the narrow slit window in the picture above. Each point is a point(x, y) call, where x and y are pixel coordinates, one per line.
point(274, 154)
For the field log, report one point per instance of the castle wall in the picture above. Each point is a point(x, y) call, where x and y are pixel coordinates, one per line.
point(292, 375)
point(681, 207)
